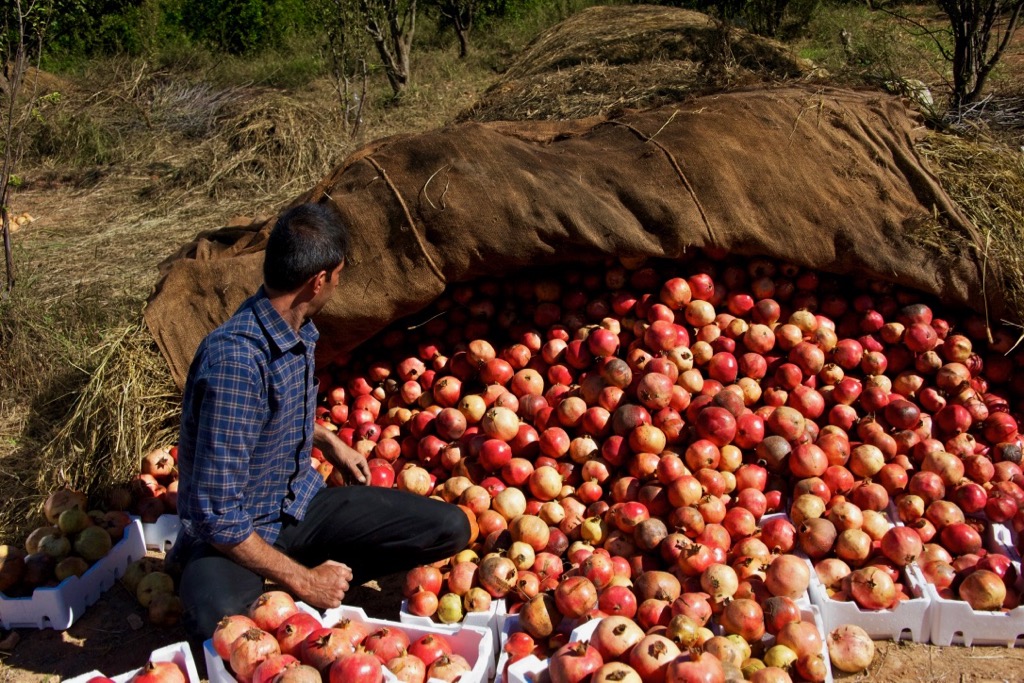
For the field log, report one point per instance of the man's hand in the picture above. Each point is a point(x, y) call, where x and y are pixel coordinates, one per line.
point(325, 585)
point(346, 460)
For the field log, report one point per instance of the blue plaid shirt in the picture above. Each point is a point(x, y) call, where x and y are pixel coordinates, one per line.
point(247, 427)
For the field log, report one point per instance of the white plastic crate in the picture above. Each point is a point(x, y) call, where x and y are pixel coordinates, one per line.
point(907, 617)
point(1003, 537)
point(530, 669)
point(179, 653)
point(953, 621)
point(161, 534)
point(473, 643)
point(491, 620)
point(62, 605)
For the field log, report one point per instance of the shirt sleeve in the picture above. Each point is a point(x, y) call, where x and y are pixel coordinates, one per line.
point(229, 407)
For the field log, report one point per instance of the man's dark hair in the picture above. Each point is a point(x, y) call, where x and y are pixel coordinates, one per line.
point(304, 241)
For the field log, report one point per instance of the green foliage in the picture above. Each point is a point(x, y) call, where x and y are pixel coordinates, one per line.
point(244, 26)
point(95, 27)
point(83, 29)
point(878, 45)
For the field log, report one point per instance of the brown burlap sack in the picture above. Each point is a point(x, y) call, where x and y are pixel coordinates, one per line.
point(827, 179)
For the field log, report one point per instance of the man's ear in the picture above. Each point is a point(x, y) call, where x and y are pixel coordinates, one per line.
point(317, 282)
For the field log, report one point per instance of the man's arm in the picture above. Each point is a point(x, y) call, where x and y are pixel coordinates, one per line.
point(323, 586)
point(345, 459)
point(229, 415)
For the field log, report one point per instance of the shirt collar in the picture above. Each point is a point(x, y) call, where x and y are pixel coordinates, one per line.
point(280, 332)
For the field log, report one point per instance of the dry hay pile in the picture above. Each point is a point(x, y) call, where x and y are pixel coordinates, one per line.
point(266, 141)
point(986, 178)
point(605, 59)
point(128, 405)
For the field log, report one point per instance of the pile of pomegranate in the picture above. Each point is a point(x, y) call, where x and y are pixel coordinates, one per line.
point(154, 491)
point(154, 588)
point(277, 642)
point(616, 438)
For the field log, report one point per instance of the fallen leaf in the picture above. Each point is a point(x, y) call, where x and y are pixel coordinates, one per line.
point(10, 642)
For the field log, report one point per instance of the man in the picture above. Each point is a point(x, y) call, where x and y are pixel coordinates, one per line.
point(251, 506)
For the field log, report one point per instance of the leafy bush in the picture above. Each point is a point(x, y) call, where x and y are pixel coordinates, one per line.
point(244, 26)
point(88, 28)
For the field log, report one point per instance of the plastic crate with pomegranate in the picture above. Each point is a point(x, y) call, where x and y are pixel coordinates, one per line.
point(474, 644)
point(60, 606)
point(955, 622)
point(178, 653)
point(532, 669)
point(493, 620)
point(906, 619)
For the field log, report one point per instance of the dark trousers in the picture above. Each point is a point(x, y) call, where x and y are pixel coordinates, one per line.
point(374, 531)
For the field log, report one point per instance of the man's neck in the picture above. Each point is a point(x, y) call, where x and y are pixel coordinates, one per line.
point(286, 304)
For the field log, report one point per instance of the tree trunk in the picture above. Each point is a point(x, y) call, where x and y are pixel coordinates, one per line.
point(392, 38)
point(462, 32)
point(973, 23)
point(987, 63)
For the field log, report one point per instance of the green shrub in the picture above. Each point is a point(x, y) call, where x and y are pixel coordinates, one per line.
point(244, 26)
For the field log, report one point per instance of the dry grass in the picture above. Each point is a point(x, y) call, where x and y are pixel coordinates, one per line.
point(128, 405)
point(631, 35)
point(606, 59)
point(986, 178)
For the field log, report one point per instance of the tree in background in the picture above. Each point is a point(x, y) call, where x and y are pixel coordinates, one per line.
point(460, 15)
point(24, 27)
point(981, 31)
point(391, 25)
point(345, 44)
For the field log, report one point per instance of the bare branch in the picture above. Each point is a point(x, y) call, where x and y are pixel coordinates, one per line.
point(392, 24)
point(925, 31)
point(990, 64)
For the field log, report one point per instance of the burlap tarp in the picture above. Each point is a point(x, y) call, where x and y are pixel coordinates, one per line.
point(823, 178)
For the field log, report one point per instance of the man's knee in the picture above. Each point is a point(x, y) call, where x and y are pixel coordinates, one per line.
point(455, 532)
point(204, 610)
point(212, 588)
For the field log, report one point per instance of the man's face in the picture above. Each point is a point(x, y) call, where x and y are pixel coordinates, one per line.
point(330, 283)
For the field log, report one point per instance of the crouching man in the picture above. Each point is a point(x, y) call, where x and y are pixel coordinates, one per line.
point(252, 508)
